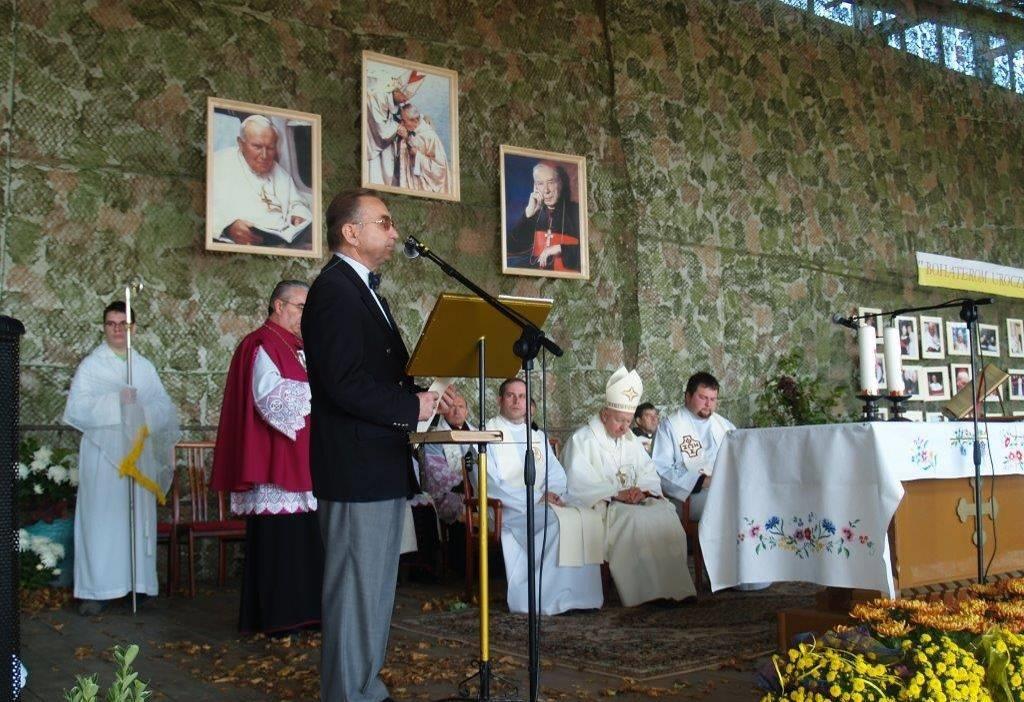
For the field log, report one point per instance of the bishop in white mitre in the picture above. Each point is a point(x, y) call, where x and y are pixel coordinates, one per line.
point(573, 550)
point(609, 471)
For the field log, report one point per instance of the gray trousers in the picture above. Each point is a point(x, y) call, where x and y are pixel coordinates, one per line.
point(362, 541)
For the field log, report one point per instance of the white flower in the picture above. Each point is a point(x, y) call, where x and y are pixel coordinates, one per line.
point(24, 540)
point(22, 471)
point(39, 566)
point(39, 466)
point(73, 476)
point(56, 571)
point(44, 454)
point(48, 559)
point(37, 489)
point(58, 474)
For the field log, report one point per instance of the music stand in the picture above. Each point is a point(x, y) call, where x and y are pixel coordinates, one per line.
point(465, 337)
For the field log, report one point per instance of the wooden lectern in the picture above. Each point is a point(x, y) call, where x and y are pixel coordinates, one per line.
point(465, 337)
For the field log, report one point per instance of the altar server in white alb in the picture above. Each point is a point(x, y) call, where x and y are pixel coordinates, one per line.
point(574, 548)
point(127, 430)
point(688, 441)
point(609, 470)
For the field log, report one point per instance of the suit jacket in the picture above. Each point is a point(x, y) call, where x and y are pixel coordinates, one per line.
point(364, 404)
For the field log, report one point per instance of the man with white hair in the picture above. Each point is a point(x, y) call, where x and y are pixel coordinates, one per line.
point(571, 574)
point(255, 201)
point(384, 126)
point(548, 234)
point(422, 161)
point(610, 471)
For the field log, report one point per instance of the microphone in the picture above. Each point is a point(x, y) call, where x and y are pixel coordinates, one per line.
point(413, 248)
point(844, 321)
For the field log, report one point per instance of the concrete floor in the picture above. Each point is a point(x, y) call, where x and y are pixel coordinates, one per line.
point(191, 651)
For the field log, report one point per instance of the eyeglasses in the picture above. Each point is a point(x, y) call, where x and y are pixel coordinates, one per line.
point(116, 325)
point(300, 305)
point(386, 222)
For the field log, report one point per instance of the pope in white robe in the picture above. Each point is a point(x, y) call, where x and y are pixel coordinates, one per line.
point(252, 191)
point(382, 122)
point(561, 587)
point(422, 161)
point(108, 411)
point(609, 471)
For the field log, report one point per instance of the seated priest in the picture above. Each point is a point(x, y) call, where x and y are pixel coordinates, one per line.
point(574, 547)
point(609, 471)
point(441, 475)
point(645, 425)
point(687, 443)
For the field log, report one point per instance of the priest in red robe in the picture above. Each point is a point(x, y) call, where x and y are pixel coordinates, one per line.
point(262, 458)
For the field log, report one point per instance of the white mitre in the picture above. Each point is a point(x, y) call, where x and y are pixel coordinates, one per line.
point(623, 390)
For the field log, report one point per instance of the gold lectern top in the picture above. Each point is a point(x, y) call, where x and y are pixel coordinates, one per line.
point(447, 348)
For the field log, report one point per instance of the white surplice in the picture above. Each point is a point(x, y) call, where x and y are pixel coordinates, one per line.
point(686, 447)
point(561, 588)
point(102, 538)
point(427, 169)
point(645, 543)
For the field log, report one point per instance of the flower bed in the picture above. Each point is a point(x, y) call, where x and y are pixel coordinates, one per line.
point(968, 648)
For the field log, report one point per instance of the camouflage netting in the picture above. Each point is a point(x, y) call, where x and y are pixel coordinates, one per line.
point(752, 169)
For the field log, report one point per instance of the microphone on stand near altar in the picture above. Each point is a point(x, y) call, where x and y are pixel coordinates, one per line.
point(413, 248)
point(844, 321)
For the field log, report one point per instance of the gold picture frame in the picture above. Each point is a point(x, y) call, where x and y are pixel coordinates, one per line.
point(410, 128)
point(262, 180)
point(544, 227)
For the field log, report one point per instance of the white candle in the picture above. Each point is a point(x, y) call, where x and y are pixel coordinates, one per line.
point(893, 363)
point(866, 346)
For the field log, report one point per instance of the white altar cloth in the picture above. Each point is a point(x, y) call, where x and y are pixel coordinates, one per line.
point(814, 503)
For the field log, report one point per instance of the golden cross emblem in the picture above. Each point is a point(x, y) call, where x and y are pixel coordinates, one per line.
point(690, 446)
point(630, 394)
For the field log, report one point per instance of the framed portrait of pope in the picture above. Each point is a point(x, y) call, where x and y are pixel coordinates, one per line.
point(262, 180)
point(410, 128)
point(543, 214)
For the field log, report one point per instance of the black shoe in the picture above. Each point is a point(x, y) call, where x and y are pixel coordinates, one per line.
point(90, 608)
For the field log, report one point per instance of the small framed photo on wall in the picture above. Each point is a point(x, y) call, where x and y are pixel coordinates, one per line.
point(988, 340)
point(543, 214)
point(932, 344)
point(957, 340)
point(912, 383)
point(1015, 338)
point(1016, 383)
point(262, 179)
point(410, 134)
point(909, 347)
point(876, 322)
point(935, 383)
point(960, 376)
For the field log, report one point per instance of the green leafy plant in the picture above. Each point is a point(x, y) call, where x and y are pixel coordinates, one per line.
point(126, 686)
point(792, 397)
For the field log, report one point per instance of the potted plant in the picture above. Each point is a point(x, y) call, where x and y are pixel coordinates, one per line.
point(47, 481)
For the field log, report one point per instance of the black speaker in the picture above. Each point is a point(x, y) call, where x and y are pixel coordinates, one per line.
point(10, 635)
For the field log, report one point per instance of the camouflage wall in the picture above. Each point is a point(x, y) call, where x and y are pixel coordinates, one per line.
point(752, 169)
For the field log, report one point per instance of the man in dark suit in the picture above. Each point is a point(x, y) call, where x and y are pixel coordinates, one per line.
point(364, 406)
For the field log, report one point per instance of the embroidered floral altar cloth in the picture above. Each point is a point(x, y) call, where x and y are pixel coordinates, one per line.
point(814, 503)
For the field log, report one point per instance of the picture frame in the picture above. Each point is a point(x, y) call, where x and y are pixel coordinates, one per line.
point(880, 372)
point(262, 180)
point(544, 226)
point(935, 417)
point(1015, 337)
point(995, 396)
point(959, 376)
point(988, 340)
point(957, 339)
point(409, 142)
point(877, 322)
point(1018, 413)
point(1016, 383)
point(914, 415)
point(909, 346)
point(935, 383)
point(933, 343)
point(883, 414)
point(912, 383)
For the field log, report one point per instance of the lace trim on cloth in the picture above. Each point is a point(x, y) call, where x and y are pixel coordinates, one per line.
point(270, 499)
point(286, 406)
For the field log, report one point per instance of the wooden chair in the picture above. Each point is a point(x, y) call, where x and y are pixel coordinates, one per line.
point(471, 506)
point(201, 521)
point(690, 526)
point(167, 532)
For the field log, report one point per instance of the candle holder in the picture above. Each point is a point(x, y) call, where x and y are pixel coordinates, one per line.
point(870, 411)
point(897, 407)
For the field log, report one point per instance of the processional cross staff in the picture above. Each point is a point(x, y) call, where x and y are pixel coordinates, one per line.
point(135, 285)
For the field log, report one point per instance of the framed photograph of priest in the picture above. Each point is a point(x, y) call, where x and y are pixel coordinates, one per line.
point(935, 385)
point(543, 214)
point(1016, 383)
point(960, 376)
point(912, 382)
point(909, 347)
point(410, 128)
point(932, 343)
point(262, 180)
point(988, 340)
point(957, 342)
point(1015, 338)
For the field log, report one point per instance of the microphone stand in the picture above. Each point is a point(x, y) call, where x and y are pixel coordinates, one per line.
point(527, 347)
point(969, 314)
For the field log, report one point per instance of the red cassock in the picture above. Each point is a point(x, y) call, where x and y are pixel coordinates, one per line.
point(541, 242)
point(249, 451)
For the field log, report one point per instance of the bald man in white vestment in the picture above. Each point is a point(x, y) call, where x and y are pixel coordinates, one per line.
point(609, 470)
point(573, 550)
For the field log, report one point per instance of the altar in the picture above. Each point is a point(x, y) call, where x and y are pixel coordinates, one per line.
point(882, 506)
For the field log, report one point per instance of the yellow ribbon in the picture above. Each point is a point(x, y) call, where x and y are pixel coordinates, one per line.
point(129, 465)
